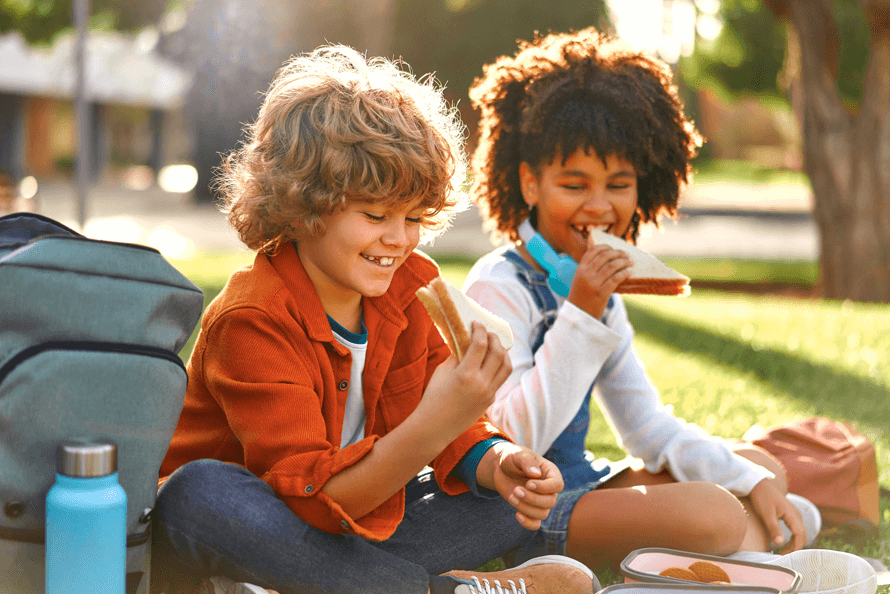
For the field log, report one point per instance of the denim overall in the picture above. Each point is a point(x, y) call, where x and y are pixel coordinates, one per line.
point(567, 452)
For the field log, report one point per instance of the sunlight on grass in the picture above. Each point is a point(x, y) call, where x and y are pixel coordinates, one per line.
point(727, 361)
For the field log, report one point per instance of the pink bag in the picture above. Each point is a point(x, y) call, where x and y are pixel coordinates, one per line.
point(831, 464)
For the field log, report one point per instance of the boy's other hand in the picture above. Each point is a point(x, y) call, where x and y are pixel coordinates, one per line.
point(599, 273)
point(529, 482)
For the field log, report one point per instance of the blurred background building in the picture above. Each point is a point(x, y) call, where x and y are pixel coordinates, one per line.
point(179, 89)
point(170, 85)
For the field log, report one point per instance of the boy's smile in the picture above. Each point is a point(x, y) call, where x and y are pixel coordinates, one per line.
point(363, 245)
point(579, 195)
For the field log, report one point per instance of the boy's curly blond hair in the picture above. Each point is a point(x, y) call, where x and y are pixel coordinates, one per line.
point(334, 126)
point(567, 91)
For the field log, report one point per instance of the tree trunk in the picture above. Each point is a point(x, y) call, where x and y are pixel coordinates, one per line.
point(846, 156)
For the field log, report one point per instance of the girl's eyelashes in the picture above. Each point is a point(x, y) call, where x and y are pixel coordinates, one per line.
point(374, 217)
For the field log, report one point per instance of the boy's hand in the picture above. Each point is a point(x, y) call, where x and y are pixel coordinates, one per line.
point(526, 480)
point(599, 273)
point(459, 393)
point(771, 506)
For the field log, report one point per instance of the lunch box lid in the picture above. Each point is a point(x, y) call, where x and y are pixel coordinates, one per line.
point(684, 588)
point(643, 565)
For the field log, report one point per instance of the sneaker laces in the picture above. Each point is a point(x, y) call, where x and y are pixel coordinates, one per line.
point(485, 588)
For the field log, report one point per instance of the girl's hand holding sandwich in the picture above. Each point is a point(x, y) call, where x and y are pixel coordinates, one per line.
point(600, 271)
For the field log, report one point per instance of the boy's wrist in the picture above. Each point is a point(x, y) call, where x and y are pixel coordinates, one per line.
point(489, 464)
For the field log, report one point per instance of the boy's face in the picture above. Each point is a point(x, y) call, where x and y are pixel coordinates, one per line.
point(363, 245)
point(580, 194)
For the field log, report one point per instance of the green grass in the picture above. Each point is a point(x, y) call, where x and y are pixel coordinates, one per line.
point(726, 361)
point(802, 272)
point(722, 170)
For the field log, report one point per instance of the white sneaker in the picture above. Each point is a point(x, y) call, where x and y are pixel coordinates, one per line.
point(830, 572)
point(549, 574)
point(812, 519)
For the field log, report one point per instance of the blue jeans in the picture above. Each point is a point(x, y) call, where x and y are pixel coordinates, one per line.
point(213, 518)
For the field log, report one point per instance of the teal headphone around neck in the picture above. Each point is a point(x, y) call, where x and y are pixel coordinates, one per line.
point(560, 267)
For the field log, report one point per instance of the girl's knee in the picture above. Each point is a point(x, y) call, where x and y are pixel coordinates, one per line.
point(723, 521)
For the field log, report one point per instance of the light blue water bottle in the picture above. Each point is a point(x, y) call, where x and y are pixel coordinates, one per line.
point(86, 522)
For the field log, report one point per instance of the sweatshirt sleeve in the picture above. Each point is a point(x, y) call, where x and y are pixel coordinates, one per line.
point(545, 389)
point(648, 430)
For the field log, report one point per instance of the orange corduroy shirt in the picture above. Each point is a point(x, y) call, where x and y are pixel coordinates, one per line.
point(268, 385)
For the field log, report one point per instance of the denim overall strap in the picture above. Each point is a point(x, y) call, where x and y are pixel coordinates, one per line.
point(568, 451)
point(536, 282)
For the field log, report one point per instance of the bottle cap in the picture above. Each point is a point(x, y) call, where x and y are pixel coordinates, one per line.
point(84, 458)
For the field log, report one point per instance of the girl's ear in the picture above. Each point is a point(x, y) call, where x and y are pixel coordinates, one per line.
point(528, 183)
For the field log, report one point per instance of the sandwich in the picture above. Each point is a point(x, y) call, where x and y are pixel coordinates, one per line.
point(453, 313)
point(649, 275)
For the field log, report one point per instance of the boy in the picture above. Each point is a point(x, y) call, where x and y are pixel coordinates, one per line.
point(319, 388)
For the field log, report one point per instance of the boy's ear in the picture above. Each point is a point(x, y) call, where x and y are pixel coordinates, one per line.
point(528, 183)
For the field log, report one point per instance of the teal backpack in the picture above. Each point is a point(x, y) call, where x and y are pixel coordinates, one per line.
point(90, 333)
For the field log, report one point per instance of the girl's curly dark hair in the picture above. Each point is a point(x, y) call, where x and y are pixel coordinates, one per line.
point(566, 91)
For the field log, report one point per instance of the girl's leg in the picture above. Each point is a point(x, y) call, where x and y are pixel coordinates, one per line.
point(608, 523)
point(638, 509)
point(213, 518)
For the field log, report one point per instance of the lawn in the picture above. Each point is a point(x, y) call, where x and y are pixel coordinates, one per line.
point(726, 361)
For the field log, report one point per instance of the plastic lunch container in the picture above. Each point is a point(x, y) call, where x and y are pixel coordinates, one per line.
point(684, 588)
point(644, 565)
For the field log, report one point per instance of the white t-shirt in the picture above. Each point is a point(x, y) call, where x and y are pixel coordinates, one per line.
point(354, 414)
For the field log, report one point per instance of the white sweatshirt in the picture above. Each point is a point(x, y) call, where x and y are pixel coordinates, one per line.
point(546, 389)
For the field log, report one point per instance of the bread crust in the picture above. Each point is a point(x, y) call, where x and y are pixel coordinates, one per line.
point(430, 301)
point(458, 329)
point(454, 319)
point(649, 275)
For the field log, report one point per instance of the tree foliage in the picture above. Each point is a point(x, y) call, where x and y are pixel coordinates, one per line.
point(455, 38)
point(40, 21)
point(748, 56)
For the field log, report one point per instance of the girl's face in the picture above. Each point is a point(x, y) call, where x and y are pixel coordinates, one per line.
point(581, 194)
point(362, 246)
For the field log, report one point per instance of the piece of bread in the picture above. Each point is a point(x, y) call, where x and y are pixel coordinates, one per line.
point(649, 275)
point(453, 313)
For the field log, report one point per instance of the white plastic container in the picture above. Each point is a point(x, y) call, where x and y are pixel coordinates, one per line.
point(644, 565)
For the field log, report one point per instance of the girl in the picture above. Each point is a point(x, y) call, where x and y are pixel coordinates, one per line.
point(578, 132)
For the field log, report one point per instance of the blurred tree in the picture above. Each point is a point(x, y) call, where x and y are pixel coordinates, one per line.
point(455, 38)
point(39, 21)
point(749, 54)
point(831, 60)
point(846, 149)
point(745, 58)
